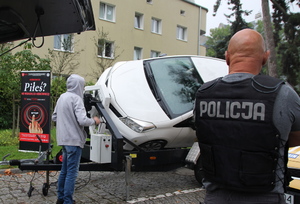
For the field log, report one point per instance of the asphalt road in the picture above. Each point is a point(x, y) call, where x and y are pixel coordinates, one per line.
point(176, 186)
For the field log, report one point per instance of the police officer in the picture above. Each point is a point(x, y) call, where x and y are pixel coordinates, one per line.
point(245, 123)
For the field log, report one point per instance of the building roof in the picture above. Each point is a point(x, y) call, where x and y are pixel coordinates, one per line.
point(193, 2)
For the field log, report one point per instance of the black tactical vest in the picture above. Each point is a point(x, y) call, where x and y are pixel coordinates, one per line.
point(238, 141)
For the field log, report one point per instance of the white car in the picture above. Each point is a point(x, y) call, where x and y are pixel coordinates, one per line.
point(151, 101)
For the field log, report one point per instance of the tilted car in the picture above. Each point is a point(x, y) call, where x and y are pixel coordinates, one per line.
point(151, 101)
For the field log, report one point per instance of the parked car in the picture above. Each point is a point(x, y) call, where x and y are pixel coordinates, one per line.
point(151, 101)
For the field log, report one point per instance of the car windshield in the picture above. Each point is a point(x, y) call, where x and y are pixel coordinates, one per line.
point(174, 82)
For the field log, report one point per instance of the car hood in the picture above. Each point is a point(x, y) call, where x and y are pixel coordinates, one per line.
point(139, 102)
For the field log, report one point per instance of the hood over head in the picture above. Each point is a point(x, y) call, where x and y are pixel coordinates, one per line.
point(75, 84)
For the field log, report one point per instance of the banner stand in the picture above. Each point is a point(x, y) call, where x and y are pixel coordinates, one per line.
point(35, 122)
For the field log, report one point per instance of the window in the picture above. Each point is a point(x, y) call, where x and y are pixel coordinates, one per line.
point(154, 54)
point(139, 20)
point(181, 33)
point(64, 42)
point(105, 48)
point(156, 25)
point(176, 80)
point(107, 12)
point(137, 55)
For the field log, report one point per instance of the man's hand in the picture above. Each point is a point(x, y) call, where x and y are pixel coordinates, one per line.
point(34, 126)
point(97, 120)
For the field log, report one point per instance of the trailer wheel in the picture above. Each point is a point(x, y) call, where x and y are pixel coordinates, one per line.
point(198, 171)
point(45, 189)
point(58, 157)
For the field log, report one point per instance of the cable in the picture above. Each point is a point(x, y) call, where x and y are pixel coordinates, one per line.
point(15, 46)
point(39, 11)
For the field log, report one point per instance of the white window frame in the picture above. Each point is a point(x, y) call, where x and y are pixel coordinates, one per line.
point(137, 53)
point(181, 33)
point(156, 25)
point(104, 12)
point(139, 20)
point(154, 53)
point(60, 42)
point(105, 51)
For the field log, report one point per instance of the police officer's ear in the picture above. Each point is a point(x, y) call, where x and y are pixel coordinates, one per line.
point(265, 57)
point(227, 57)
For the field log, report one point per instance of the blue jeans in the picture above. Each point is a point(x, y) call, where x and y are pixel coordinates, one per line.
point(68, 173)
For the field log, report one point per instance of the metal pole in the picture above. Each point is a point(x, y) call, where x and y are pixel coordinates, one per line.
point(128, 175)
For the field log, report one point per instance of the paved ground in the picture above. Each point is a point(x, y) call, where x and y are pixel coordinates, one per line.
point(177, 186)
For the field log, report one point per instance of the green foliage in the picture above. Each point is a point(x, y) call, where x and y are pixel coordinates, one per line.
point(58, 87)
point(287, 39)
point(6, 138)
point(215, 45)
point(10, 146)
point(11, 66)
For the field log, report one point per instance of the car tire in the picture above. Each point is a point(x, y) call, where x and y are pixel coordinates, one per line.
point(153, 145)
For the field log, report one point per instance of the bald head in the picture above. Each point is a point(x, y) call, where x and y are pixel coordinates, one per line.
point(246, 52)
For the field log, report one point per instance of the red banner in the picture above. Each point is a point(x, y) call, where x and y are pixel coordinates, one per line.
point(35, 110)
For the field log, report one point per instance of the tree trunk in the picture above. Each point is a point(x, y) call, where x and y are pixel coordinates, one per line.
point(269, 38)
point(14, 116)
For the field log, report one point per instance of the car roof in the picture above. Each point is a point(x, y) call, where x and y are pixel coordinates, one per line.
point(29, 19)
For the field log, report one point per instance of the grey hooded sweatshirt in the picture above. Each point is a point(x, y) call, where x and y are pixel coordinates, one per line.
point(70, 114)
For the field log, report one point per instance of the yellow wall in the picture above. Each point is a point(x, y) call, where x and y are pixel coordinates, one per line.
point(126, 37)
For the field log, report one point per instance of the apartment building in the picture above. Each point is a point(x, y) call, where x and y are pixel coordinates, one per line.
point(132, 29)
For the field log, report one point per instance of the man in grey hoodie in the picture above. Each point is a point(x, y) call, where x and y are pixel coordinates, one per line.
point(70, 117)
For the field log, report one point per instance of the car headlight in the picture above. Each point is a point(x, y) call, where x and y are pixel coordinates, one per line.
point(137, 125)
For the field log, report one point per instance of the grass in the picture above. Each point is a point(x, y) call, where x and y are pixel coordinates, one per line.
point(10, 145)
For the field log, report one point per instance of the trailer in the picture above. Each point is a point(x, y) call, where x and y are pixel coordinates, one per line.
point(104, 152)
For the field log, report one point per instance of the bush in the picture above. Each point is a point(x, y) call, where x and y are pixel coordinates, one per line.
point(6, 138)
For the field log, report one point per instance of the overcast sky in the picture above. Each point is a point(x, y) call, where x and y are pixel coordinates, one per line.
point(214, 21)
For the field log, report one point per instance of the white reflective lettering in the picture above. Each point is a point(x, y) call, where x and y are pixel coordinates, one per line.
point(249, 106)
point(234, 110)
point(203, 107)
point(219, 115)
point(234, 107)
point(211, 112)
point(227, 109)
point(259, 111)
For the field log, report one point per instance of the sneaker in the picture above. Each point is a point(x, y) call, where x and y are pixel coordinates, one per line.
point(59, 201)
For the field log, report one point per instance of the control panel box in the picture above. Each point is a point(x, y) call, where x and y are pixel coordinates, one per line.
point(100, 148)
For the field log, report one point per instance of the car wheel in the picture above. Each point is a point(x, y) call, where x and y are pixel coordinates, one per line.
point(153, 145)
point(198, 171)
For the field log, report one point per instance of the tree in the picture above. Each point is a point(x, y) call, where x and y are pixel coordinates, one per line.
point(287, 40)
point(282, 37)
point(10, 67)
point(64, 62)
point(107, 52)
point(236, 25)
point(269, 38)
point(215, 45)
